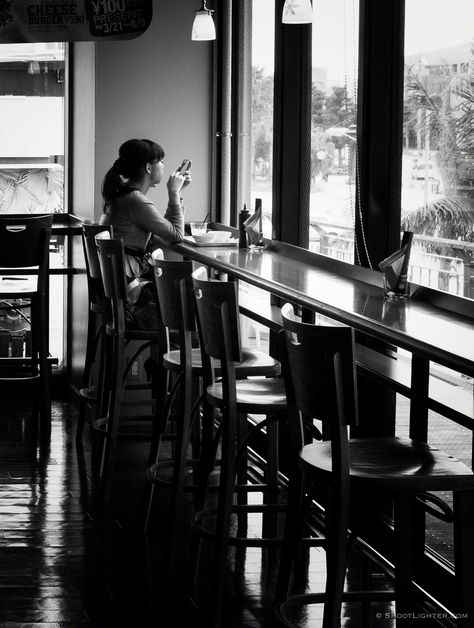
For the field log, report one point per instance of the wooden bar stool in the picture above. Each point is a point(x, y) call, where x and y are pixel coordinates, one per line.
point(175, 299)
point(24, 267)
point(218, 317)
point(319, 371)
point(117, 364)
point(97, 318)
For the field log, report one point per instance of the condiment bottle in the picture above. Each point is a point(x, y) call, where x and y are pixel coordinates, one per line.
point(243, 216)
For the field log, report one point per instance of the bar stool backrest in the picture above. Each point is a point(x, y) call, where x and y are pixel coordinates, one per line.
point(216, 305)
point(319, 389)
point(94, 278)
point(111, 259)
point(24, 243)
point(170, 275)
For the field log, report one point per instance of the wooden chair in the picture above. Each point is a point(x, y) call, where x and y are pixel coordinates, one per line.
point(97, 318)
point(117, 364)
point(218, 316)
point(174, 291)
point(24, 269)
point(321, 383)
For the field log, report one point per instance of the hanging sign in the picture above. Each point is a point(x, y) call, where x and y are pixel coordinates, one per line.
point(72, 20)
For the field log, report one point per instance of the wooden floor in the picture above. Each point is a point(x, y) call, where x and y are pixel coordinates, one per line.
point(61, 565)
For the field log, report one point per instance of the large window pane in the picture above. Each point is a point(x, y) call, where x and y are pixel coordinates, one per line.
point(333, 136)
point(438, 155)
point(438, 178)
point(32, 81)
point(32, 140)
point(261, 126)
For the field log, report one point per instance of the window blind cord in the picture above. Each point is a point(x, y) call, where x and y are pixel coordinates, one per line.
point(354, 201)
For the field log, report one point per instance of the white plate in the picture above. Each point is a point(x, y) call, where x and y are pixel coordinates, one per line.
point(190, 240)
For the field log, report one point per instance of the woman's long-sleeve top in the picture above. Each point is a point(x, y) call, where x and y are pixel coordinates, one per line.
point(135, 219)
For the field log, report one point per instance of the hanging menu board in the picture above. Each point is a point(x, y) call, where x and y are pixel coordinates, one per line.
point(72, 20)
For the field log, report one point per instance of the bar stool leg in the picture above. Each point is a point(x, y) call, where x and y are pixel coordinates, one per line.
point(39, 321)
point(242, 471)
point(404, 519)
point(292, 535)
point(337, 521)
point(113, 416)
point(224, 509)
point(463, 502)
point(185, 399)
point(205, 468)
point(93, 339)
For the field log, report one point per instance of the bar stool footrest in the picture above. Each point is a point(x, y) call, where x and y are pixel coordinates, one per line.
point(241, 509)
point(127, 428)
point(319, 598)
point(153, 477)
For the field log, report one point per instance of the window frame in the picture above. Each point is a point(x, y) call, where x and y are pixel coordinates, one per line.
point(380, 147)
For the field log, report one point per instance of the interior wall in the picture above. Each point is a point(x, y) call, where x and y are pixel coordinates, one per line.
point(157, 86)
point(82, 132)
point(81, 200)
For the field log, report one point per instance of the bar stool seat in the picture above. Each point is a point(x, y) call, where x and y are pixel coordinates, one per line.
point(391, 463)
point(357, 477)
point(253, 363)
point(253, 395)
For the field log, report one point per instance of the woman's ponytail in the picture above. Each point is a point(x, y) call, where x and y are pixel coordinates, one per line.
point(113, 185)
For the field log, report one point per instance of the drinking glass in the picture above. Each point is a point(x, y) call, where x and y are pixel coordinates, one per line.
point(198, 228)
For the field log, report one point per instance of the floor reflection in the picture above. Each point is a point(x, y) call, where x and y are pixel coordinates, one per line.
point(64, 565)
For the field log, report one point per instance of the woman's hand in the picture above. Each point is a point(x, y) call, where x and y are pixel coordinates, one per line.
point(187, 179)
point(176, 183)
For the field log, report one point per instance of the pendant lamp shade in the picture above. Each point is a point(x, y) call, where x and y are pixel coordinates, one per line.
point(203, 25)
point(297, 12)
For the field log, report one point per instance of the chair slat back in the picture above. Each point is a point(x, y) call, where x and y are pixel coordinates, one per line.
point(210, 296)
point(111, 259)
point(89, 233)
point(24, 240)
point(311, 351)
point(94, 278)
point(168, 277)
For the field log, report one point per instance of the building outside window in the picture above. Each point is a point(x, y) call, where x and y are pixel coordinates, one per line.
point(263, 66)
point(438, 183)
point(32, 82)
point(333, 127)
point(438, 153)
point(32, 151)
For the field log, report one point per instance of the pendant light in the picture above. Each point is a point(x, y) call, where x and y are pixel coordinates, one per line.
point(203, 25)
point(297, 12)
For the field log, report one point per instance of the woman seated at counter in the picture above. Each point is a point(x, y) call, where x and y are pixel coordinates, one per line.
point(136, 219)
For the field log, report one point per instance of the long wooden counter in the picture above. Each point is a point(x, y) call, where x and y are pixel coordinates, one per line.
point(430, 324)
